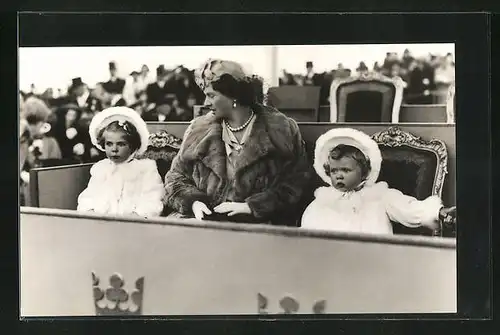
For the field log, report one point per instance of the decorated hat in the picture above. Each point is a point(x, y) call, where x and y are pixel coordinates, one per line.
point(352, 137)
point(213, 69)
point(109, 115)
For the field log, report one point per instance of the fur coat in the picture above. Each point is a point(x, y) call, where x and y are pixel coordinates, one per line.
point(270, 175)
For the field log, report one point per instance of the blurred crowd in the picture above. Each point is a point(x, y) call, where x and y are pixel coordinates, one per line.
point(426, 78)
point(54, 125)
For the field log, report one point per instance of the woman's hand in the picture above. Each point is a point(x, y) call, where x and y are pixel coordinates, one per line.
point(233, 208)
point(200, 209)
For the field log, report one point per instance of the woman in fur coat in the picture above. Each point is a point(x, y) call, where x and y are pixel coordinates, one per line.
point(242, 161)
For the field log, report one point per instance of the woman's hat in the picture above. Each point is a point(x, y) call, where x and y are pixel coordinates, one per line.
point(109, 115)
point(352, 137)
point(213, 69)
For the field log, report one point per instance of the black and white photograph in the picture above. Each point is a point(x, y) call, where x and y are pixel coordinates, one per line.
point(237, 179)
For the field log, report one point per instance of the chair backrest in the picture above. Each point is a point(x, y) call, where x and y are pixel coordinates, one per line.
point(163, 147)
point(366, 98)
point(298, 102)
point(415, 166)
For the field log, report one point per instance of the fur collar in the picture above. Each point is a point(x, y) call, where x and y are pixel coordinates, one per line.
point(270, 134)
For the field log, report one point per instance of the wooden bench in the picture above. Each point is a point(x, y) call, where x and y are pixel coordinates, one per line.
point(185, 268)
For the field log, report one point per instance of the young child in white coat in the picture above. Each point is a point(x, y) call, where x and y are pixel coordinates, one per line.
point(350, 161)
point(121, 184)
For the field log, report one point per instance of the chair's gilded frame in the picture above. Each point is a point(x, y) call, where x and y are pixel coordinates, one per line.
point(368, 77)
point(395, 137)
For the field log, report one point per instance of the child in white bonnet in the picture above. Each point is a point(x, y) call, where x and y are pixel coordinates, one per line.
point(121, 184)
point(350, 161)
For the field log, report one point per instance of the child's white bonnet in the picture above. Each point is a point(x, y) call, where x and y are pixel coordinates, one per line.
point(352, 137)
point(109, 115)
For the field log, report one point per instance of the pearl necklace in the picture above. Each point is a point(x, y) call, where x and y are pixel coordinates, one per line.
point(240, 128)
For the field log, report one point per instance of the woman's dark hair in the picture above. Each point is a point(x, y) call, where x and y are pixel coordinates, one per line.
point(247, 92)
point(131, 134)
point(342, 150)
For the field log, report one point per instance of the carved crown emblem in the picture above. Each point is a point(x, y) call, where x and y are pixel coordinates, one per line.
point(115, 300)
point(288, 305)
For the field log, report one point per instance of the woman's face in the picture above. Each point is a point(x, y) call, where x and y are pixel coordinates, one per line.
point(219, 103)
point(71, 116)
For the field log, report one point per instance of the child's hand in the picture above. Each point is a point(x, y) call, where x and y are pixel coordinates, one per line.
point(448, 215)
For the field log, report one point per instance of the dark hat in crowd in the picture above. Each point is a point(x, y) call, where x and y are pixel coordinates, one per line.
point(134, 73)
point(362, 67)
point(309, 64)
point(112, 65)
point(76, 82)
point(161, 71)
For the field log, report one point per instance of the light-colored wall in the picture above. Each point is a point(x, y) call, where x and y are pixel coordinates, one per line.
point(202, 270)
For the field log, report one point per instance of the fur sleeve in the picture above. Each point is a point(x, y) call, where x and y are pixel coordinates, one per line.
point(409, 211)
point(287, 189)
point(180, 190)
point(149, 202)
point(87, 199)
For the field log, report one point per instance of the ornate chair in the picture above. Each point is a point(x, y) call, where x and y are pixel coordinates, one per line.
point(414, 166)
point(368, 97)
point(162, 148)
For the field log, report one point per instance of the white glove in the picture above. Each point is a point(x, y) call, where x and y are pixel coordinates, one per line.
point(78, 149)
point(71, 133)
point(200, 209)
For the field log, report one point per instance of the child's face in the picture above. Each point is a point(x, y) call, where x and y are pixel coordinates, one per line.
point(345, 173)
point(116, 146)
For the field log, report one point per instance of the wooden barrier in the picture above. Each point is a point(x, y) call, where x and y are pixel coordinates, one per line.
point(423, 114)
point(58, 187)
point(218, 268)
point(408, 114)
